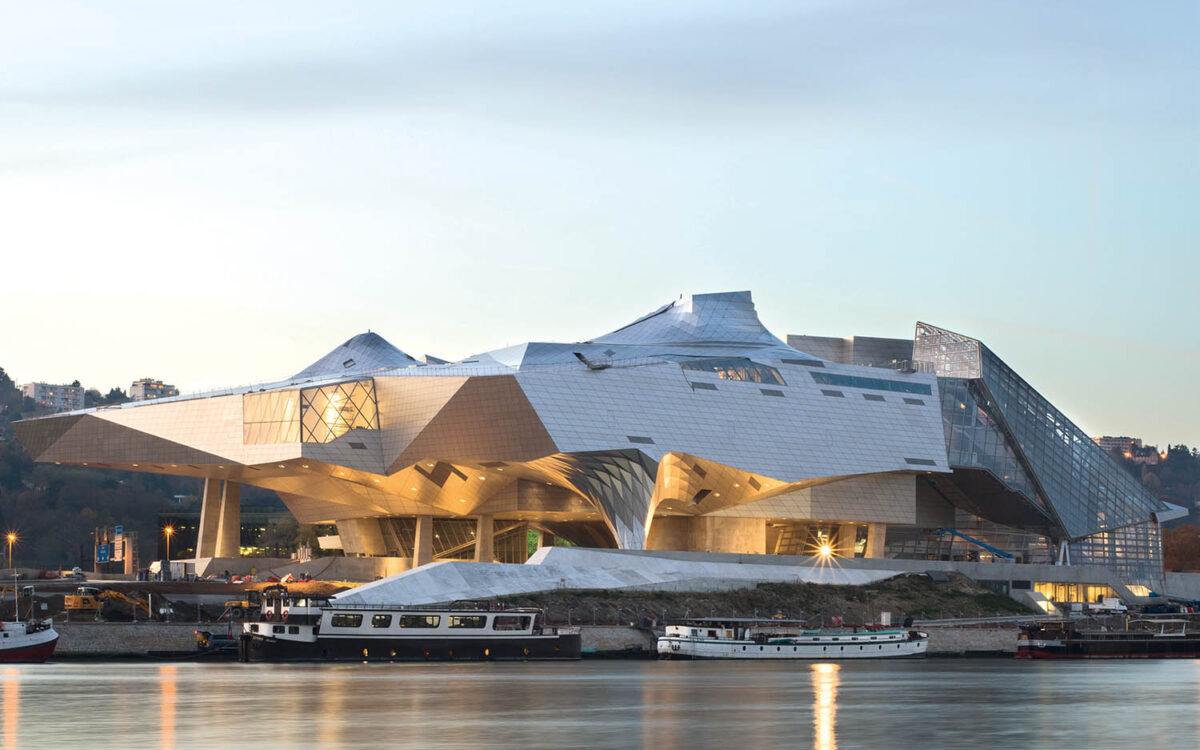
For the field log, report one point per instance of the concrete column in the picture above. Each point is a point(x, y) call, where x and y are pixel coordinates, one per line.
point(210, 515)
point(423, 546)
point(484, 539)
point(545, 539)
point(876, 534)
point(362, 536)
point(229, 527)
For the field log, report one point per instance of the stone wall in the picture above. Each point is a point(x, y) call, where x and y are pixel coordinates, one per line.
point(971, 641)
point(616, 639)
point(112, 639)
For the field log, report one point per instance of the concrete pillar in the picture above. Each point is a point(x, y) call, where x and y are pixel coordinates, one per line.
point(210, 516)
point(545, 539)
point(484, 539)
point(229, 525)
point(362, 536)
point(423, 546)
point(876, 534)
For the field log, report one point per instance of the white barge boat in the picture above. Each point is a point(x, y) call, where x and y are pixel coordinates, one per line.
point(296, 628)
point(745, 638)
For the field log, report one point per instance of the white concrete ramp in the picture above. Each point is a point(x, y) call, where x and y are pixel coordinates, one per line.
point(575, 568)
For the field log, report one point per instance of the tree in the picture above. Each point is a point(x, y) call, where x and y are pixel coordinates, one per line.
point(1181, 548)
point(115, 396)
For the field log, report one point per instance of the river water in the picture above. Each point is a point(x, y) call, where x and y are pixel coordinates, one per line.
point(932, 703)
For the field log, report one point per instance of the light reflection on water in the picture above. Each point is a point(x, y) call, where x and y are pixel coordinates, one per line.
point(825, 682)
point(616, 704)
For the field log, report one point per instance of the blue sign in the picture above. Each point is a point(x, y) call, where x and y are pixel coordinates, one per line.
point(103, 552)
point(118, 530)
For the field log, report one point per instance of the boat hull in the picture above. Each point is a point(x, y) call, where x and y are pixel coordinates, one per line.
point(262, 648)
point(1123, 648)
point(37, 650)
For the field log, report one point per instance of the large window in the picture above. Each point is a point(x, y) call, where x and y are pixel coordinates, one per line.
point(467, 621)
point(341, 620)
point(737, 369)
point(272, 417)
point(330, 411)
point(878, 384)
point(419, 621)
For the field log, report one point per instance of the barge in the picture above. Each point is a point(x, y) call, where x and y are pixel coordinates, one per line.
point(1147, 638)
point(754, 639)
point(308, 629)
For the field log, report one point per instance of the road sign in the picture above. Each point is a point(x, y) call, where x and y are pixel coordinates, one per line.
point(103, 553)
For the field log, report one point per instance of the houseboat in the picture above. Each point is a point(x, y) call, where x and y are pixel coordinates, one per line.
point(742, 638)
point(1141, 638)
point(297, 628)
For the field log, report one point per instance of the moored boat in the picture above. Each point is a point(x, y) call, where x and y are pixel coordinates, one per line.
point(746, 638)
point(31, 641)
point(1142, 638)
point(296, 628)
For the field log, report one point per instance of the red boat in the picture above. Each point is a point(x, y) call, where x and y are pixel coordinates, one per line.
point(31, 641)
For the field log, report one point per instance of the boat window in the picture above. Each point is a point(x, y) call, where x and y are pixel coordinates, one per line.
point(419, 621)
point(343, 620)
point(381, 621)
point(294, 629)
point(510, 622)
point(467, 621)
point(277, 629)
point(712, 634)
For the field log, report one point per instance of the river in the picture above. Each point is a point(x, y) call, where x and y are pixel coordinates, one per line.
point(933, 703)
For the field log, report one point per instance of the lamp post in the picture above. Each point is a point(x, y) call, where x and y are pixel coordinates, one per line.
point(11, 538)
point(168, 530)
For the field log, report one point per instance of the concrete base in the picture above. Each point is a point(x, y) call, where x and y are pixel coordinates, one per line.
point(322, 568)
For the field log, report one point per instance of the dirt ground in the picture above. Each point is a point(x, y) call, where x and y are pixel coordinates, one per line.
point(907, 595)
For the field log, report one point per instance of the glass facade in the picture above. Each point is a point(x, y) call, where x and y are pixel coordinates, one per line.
point(737, 369)
point(330, 411)
point(1134, 551)
point(878, 384)
point(974, 438)
point(997, 421)
point(272, 417)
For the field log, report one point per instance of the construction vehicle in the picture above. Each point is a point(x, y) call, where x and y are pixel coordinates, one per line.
point(240, 609)
point(90, 601)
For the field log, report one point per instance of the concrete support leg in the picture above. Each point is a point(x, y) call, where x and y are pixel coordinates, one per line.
point(229, 527)
point(210, 518)
point(876, 534)
point(545, 539)
point(423, 548)
point(362, 536)
point(484, 539)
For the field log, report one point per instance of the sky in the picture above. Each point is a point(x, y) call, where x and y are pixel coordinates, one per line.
point(219, 193)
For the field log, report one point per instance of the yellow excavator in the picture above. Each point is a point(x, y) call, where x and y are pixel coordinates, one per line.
point(88, 602)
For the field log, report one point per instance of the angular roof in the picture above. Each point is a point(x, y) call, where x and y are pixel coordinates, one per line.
point(724, 318)
point(363, 353)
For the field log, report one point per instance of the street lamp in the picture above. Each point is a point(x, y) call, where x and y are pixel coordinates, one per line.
point(169, 530)
point(11, 538)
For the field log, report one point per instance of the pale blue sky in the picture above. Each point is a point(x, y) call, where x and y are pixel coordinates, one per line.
point(218, 193)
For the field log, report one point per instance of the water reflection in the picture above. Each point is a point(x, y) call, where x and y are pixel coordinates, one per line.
point(12, 705)
point(825, 684)
point(168, 675)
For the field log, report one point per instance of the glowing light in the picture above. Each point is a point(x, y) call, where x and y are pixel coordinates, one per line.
point(825, 550)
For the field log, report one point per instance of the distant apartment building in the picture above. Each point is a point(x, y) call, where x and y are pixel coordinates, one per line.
point(1130, 448)
point(1120, 444)
point(55, 397)
point(148, 389)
